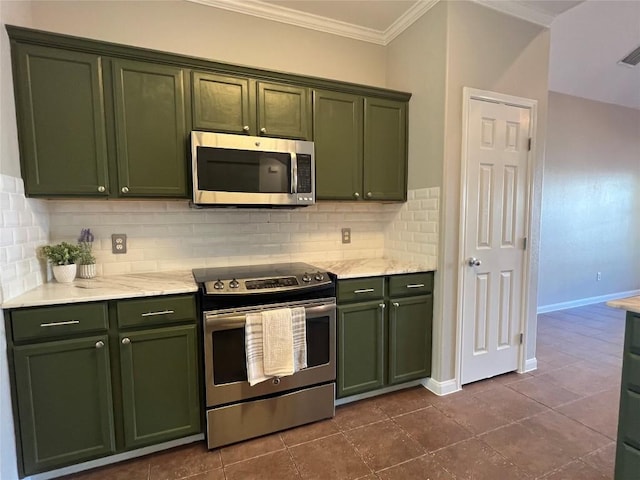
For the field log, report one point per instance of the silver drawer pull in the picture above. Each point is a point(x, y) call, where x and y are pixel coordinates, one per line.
point(415, 285)
point(396, 304)
point(153, 314)
point(57, 324)
point(364, 290)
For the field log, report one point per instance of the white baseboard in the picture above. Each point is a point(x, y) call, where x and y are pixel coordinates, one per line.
point(586, 301)
point(441, 388)
point(530, 365)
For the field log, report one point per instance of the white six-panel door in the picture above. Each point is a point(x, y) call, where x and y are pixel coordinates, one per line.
point(494, 240)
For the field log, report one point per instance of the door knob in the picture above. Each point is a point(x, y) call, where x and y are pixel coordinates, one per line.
point(263, 130)
point(474, 262)
point(101, 189)
point(125, 189)
point(245, 128)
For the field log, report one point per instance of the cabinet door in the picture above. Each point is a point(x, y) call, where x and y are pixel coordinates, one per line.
point(64, 402)
point(337, 133)
point(60, 110)
point(361, 348)
point(410, 338)
point(221, 104)
point(284, 111)
point(151, 132)
point(385, 149)
point(160, 396)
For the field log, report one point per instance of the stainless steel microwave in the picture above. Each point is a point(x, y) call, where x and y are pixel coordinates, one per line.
point(240, 170)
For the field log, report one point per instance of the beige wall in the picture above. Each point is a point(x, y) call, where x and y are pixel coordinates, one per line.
point(491, 51)
point(591, 202)
point(416, 62)
point(199, 30)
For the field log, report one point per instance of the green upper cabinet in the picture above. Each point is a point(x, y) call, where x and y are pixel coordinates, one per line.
point(284, 111)
point(337, 133)
point(64, 402)
point(222, 104)
point(151, 129)
point(242, 105)
point(361, 147)
point(61, 121)
point(385, 149)
point(160, 394)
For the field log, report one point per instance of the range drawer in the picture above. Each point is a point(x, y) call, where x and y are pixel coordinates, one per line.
point(156, 310)
point(64, 320)
point(410, 284)
point(360, 289)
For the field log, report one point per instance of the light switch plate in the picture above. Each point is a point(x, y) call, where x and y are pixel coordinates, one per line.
point(118, 243)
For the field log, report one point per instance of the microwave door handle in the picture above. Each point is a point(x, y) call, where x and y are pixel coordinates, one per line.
point(294, 172)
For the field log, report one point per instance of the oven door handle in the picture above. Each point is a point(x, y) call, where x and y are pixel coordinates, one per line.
point(215, 321)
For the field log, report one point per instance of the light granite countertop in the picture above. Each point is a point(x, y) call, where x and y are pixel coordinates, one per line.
point(631, 304)
point(175, 282)
point(372, 267)
point(106, 288)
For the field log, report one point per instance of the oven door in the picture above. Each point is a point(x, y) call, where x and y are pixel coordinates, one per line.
point(225, 357)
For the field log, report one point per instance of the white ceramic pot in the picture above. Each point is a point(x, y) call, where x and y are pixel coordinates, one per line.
point(64, 273)
point(87, 271)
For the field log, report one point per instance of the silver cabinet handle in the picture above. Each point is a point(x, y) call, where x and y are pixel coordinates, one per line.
point(124, 189)
point(369, 194)
point(101, 189)
point(126, 341)
point(263, 130)
point(99, 344)
point(382, 306)
point(245, 128)
point(415, 285)
point(364, 290)
point(153, 314)
point(396, 304)
point(57, 324)
point(356, 195)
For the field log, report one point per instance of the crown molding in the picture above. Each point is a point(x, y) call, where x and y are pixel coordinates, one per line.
point(519, 10)
point(289, 16)
point(406, 20)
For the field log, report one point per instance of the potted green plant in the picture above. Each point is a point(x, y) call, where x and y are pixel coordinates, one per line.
point(63, 257)
point(86, 260)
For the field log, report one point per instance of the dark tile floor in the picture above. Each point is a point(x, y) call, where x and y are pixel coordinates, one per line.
point(558, 422)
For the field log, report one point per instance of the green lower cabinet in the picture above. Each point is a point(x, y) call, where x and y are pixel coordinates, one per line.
point(410, 338)
point(361, 347)
point(64, 402)
point(160, 394)
point(384, 340)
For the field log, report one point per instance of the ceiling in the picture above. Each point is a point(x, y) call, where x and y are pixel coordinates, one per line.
point(588, 38)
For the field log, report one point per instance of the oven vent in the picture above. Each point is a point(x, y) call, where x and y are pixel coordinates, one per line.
point(632, 59)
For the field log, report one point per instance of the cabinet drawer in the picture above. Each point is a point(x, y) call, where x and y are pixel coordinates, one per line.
point(632, 372)
point(46, 322)
point(631, 414)
point(360, 289)
point(627, 462)
point(633, 326)
point(156, 311)
point(410, 284)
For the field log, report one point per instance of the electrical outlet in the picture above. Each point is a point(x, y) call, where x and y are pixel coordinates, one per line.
point(346, 235)
point(118, 243)
point(598, 276)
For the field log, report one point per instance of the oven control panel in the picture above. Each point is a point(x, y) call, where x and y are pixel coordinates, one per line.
point(265, 285)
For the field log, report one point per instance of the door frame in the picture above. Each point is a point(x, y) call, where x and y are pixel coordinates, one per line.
point(469, 94)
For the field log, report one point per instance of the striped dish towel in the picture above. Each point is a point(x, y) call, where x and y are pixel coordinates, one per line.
point(254, 338)
point(277, 342)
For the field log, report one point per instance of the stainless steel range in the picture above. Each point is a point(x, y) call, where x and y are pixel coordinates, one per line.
point(236, 410)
